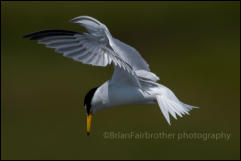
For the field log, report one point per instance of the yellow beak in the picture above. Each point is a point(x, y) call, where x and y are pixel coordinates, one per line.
point(89, 118)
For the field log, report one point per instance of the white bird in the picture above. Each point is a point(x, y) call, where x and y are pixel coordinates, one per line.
point(131, 83)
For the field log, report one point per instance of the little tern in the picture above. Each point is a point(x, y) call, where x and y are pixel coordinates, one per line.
point(132, 81)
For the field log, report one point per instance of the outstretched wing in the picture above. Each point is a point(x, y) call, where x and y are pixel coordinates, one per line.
point(97, 47)
point(82, 47)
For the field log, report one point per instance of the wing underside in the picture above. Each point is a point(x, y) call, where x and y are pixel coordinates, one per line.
point(96, 48)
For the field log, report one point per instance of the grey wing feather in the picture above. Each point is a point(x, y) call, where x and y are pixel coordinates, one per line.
point(130, 55)
point(97, 47)
point(82, 47)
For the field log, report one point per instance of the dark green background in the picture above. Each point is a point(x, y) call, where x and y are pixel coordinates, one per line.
point(194, 47)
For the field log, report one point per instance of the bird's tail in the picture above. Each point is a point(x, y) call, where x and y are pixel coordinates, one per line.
point(169, 104)
point(166, 99)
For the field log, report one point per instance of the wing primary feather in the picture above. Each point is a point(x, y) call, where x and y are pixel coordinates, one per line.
point(82, 56)
point(53, 38)
point(60, 44)
point(73, 54)
point(89, 58)
point(48, 33)
point(69, 47)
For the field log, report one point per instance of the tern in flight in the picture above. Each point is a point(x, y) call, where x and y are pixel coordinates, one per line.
point(132, 81)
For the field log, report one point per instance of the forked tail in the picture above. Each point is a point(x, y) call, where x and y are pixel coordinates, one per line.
point(166, 99)
point(169, 104)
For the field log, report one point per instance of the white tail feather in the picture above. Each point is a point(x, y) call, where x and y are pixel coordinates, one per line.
point(169, 104)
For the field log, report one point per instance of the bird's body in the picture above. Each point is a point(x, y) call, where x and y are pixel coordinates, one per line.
point(110, 95)
point(132, 81)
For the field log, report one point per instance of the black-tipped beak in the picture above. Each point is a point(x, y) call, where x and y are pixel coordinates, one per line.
point(89, 118)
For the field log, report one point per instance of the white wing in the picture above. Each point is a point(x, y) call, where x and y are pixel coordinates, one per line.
point(81, 47)
point(96, 47)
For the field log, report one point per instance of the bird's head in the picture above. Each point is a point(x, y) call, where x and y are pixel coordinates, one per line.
point(88, 107)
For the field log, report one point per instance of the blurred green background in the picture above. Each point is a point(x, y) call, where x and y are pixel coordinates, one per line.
point(194, 47)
